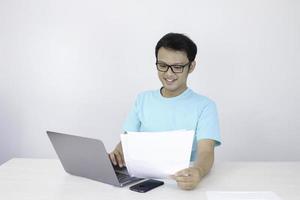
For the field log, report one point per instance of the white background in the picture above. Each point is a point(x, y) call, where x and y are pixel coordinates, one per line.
point(77, 66)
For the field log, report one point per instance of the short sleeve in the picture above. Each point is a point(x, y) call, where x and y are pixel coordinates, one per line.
point(208, 124)
point(132, 122)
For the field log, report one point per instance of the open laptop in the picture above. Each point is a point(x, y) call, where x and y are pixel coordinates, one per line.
point(88, 158)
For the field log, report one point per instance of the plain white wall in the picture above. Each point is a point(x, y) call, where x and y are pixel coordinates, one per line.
point(77, 66)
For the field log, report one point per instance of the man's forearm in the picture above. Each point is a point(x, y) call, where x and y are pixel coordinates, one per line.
point(205, 160)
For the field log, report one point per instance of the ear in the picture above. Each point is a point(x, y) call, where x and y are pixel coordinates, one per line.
point(192, 67)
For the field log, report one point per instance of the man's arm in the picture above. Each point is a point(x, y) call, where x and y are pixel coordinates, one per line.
point(189, 178)
point(205, 156)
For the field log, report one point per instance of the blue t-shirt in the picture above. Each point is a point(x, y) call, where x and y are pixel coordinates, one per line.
point(190, 111)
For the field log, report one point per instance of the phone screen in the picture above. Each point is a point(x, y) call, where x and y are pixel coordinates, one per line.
point(146, 185)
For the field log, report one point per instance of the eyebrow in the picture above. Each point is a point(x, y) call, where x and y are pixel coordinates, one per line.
point(159, 61)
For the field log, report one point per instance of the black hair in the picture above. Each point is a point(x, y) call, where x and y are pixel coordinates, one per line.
point(177, 42)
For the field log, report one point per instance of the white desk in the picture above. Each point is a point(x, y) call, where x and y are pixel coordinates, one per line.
point(46, 179)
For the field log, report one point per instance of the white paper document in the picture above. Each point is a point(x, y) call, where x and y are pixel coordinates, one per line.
point(224, 195)
point(157, 154)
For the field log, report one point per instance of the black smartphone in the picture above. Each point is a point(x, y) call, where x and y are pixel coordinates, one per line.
point(147, 185)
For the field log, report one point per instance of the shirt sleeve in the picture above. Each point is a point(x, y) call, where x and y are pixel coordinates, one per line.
point(132, 122)
point(208, 124)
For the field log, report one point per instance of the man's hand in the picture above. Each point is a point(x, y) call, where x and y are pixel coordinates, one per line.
point(117, 157)
point(188, 178)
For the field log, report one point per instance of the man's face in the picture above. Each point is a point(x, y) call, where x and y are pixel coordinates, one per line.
point(173, 83)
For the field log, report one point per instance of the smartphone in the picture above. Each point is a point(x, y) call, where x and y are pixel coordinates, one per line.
point(147, 185)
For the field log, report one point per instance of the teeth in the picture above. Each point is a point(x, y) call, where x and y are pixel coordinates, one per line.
point(170, 80)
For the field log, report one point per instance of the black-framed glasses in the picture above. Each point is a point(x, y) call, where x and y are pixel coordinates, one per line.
point(163, 67)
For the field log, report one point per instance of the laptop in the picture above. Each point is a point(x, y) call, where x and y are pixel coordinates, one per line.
point(88, 158)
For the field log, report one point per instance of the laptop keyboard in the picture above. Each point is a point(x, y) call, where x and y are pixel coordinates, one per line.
point(122, 177)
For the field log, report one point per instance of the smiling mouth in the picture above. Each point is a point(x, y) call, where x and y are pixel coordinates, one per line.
point(170, 80)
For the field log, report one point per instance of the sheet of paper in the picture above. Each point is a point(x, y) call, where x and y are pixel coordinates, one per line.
point(224, 195)
point(157, 154)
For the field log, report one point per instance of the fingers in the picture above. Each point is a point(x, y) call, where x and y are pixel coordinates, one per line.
point(183, 178)
point(186, 179)
point(112, 158)
point(186, 185)
point(184, 173)
point(120, 158)
point(117, 158)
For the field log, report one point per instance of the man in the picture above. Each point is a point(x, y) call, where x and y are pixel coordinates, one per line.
point(174, 107)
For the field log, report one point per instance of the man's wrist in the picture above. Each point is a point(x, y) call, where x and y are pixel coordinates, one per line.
point(201, 171)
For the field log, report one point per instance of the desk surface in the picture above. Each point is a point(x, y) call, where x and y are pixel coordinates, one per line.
point(46, 179)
